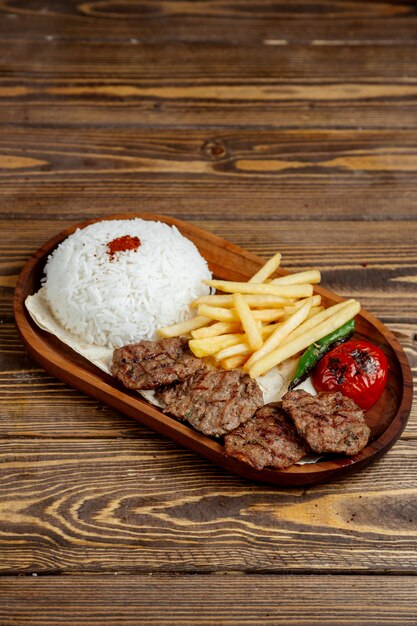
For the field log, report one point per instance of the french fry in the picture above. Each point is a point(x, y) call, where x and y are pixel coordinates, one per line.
point(184, 327)
point(248, 322)
point(266, 270)
point(309, 276)
point(233, 362)
point(218, 313)
point(267, 301)
point(211, 345)
point(267, 330)
point(239, 348)
point(219, 328)
point(215, 300)
point(315, 301)
point(255, 301)
point(288, 291)
point(333, 321)
point(268, 315)
point(258, 324)
point(280, 333)
point(313, 311)
point(318, 319)
point(230, 315)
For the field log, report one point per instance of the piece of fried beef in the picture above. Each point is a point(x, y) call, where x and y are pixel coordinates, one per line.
point(150, 364)
point(269, 438)
point(214, 402)
point(329, 422)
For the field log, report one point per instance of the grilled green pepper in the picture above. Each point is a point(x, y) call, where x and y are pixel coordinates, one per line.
point(318, 349)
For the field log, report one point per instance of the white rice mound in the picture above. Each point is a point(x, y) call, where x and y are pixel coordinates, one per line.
point(115, 302)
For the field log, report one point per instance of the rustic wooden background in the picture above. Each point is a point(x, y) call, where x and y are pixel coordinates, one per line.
point(277, 125)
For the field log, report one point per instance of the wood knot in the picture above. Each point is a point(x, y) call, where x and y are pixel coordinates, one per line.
point(214, 150)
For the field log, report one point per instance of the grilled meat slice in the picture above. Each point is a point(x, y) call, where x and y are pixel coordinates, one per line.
point(150, 364)
point(214, 402)
point(329, 422)
point(269, 438)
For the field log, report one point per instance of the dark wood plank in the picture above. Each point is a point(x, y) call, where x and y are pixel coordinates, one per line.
point(180, 85)
point(330, 174)
point(87, 195)
point(214, 21)
point(325, 244)
point(216, 105)
point(203, 600)
point(33, 404)
point(145, 505)
point(201, 63)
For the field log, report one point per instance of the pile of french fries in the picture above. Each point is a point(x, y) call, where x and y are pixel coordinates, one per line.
point(259, 324)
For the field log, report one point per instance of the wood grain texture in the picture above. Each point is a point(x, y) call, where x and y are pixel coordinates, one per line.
point(351, 105)
point(163, 600)
point(144, 505)
point(203, 63)
point(181, 85)
point(321, 174)
point(215, 21)
point(289, 125)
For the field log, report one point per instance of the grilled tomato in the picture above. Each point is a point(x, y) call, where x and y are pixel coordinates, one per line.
point(357, 369)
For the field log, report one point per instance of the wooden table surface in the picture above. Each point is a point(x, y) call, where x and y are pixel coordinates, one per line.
point(287, 126)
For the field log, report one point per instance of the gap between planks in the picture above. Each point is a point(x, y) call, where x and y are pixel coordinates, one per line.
point(226, 217)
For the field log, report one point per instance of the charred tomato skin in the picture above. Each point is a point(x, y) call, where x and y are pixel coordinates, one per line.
point(357, 369)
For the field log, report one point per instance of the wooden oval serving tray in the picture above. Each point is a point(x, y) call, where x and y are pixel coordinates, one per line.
point(386, 419)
